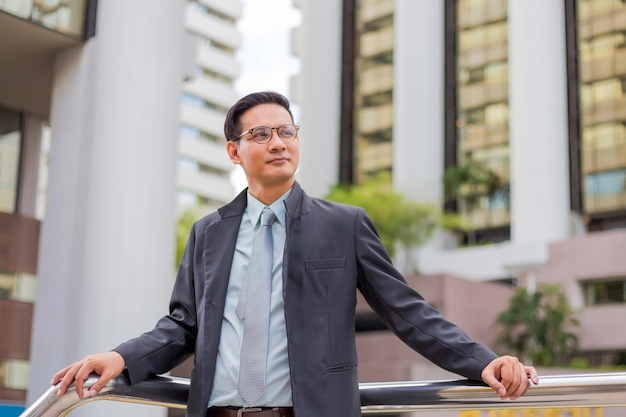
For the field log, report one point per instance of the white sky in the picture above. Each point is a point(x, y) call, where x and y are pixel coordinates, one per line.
point(265, 53)
point(266, 61)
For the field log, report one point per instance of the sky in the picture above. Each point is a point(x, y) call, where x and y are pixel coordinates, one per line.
point(265, 53)
point(266, 61)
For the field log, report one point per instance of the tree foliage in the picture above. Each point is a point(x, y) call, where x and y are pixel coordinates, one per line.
point(539, 327)
point(472, 180)
point(183, 227)
point(398, 220)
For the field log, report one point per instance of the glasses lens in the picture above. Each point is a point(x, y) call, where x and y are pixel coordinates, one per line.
point(261, 134)
point(287, 132)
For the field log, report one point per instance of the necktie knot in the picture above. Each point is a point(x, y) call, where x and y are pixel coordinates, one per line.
point(267, 217)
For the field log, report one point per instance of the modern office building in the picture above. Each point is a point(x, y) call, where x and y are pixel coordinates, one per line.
point(532, 92)
point(97, 102)
point(204, 168)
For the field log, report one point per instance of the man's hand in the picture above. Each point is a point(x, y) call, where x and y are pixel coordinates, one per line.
point(108, 365)
point(509, 377)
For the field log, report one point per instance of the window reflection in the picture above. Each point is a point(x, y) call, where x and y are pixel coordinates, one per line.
point(602, 91)
point(373, 93)
point(67, 16)
point(10, 143)
point(482, 103)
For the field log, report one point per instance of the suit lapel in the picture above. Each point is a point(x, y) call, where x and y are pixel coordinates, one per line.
point(221, 238)
point(219, 249)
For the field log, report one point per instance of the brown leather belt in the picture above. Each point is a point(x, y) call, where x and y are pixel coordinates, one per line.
point(251, 412)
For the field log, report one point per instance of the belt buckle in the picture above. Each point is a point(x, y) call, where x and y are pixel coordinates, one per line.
point(248, 410)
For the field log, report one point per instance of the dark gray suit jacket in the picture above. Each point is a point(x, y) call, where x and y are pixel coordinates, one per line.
point(330, 250)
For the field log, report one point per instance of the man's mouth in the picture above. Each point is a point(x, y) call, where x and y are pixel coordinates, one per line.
point(277, 160)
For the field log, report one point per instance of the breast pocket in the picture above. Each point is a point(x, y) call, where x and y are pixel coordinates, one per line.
point(325, 263)
point(330, 287)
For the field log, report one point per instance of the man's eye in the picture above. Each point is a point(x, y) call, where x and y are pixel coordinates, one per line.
point(260, 134)
point(288, 131)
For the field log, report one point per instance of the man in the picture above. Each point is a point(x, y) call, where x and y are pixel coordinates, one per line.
point(322, 253)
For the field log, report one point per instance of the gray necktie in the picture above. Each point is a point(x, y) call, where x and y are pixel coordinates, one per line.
point(254, 307)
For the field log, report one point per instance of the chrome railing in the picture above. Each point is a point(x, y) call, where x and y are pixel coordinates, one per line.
point(556, 391)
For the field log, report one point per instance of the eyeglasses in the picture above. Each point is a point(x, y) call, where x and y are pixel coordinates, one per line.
point(263, 134)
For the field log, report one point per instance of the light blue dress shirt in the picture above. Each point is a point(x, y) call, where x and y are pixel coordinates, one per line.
point(277, 388)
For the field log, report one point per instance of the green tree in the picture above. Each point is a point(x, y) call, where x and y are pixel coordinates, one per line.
point(398, 220)
point(471, 181)
point(539, 327)
point(183, 227)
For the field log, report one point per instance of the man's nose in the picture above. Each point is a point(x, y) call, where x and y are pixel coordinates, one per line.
point(278, 140)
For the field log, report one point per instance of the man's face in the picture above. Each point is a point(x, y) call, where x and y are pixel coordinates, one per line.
point(270, 164)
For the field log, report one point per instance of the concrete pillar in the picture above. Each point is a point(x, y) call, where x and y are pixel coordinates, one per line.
point(107, 243)
point(29, 170)
point(317, 91)
point(418, 136)
point(540, 200)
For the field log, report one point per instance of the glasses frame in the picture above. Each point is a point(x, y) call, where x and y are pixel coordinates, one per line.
point(270, 137)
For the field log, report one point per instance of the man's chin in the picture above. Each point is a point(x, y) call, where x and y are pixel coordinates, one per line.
point(280, 180)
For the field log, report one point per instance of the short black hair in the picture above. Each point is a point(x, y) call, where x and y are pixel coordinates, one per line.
point(232, 128)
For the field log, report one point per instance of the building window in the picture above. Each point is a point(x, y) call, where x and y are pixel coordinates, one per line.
point(212, 43)
point(373, 90)
point(190, 165)
point(609, 291)
point(10, 144)
point(199, 102)
point(480, 126)
point(63, 16)
point(601, 39)
point(18, 286)
point(190, 132)
point(214, 75)
point(214, 12)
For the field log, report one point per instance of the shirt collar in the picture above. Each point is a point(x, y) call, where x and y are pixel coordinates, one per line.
point(255, 207)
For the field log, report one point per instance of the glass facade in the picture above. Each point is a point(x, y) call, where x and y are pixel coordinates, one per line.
point(373, 89)
point(601, 31)
point(10, 143)
point(482, 108)
point(61, 15)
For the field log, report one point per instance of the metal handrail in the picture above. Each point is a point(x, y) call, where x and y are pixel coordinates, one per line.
point(555, 391)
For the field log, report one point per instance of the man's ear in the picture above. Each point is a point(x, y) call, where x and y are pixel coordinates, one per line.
point(233, 151)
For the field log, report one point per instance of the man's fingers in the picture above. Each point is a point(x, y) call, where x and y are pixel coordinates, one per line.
point(520, 383)
point(59, 375)
point(67, 378)
point(508, 377)
point(107, 365)
point(490, 378)
point(531, 372)
point(514, 372)
point(74, 373)
point(79, 380)
point(98, 385)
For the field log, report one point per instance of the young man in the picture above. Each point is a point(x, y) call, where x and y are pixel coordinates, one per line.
point(322, 253)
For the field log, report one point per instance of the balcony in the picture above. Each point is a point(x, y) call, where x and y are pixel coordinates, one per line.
point(31, 34)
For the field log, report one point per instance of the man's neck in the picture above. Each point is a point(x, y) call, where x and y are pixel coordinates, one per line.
point(268, 194)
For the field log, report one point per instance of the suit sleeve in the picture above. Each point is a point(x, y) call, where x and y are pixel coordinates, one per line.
point(172, 339)
point(406, 312)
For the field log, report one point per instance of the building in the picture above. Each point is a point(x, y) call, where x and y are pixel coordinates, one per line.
point(533, 92)
point(204, 168)
point(97, 102)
